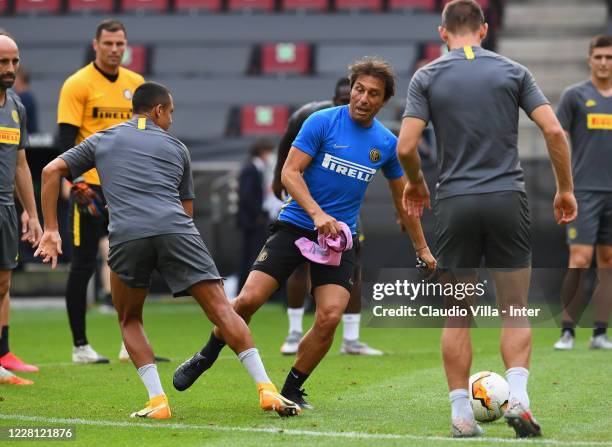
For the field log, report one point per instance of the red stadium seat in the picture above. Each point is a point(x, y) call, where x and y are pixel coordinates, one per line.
point(285, 58)
point(263, 120)
point(251, 5)
point(35, 6)
point(144, 5)
point(432, 51)
point(3, 7)
point(366, 5)
point(304, 5)
point(428, 5)
point(483, 3)
point(136, 59)
point(90, 5)
point(197, 5)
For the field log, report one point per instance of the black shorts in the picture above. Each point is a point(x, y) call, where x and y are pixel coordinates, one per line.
point(492, 225)
point(181, 259)
point(279, 257)
point(9, 237)
point(593, 225)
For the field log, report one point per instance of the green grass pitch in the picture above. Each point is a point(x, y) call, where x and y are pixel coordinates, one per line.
point(398, 399)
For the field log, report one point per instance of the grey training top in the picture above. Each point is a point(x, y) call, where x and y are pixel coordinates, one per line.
point(13, 137)
point(145, 173)
point(587, 116)
point(472, 96)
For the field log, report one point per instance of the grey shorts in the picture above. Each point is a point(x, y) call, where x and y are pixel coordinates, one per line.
point(492, 225)
point(9, 237)
point(181, 259)
point(594, 222)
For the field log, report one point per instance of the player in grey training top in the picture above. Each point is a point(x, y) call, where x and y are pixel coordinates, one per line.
point(151, 228)
point(585, 112)
point(139, 183)
point(15, 177)
point(472, 96)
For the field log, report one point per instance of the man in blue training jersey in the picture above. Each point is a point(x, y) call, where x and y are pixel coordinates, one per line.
point(329, 167)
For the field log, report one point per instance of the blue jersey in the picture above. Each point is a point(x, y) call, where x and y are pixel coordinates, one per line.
point(345, 157)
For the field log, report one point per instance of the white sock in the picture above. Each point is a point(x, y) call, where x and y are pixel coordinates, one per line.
point(460, 405)
point(517, 379)
point(351, 326)
point(295, 314)
point(150, 378)
point(252, 362)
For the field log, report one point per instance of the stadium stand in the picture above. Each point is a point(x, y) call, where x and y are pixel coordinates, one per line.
point(197, 5)
point(334, 59)
point(89, 6)
point(198, 60)
point(285, 58)
point(304, 5)
point(263, 119)
point(363, 5)
point(396, 5)
point(137, 59)
point(250, 5)
point(144, 5)
point(37, 6)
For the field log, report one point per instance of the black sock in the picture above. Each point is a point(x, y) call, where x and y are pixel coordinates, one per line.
point(213, 348)
point(295, 380)
point(4, 341)
point(76, 304)
point(568, 326)
point(599, 328)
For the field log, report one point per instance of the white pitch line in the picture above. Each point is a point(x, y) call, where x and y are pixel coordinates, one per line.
point(293, 432)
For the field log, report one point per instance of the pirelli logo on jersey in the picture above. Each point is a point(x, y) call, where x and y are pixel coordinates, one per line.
point(9, 135)
point(348, 168)
point(599, 121)
point(116, 113)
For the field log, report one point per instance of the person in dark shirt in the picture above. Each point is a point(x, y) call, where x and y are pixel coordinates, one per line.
point(252, 217)
point(22, 88)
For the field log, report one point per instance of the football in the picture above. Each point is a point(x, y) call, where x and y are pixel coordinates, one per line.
point(488, 395)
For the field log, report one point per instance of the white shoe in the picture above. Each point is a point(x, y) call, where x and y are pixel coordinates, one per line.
point(565, 343)
point(292, 341)
point(356, 347)
point(86, 354)
point(124, 355)
point(465, 429)
point(600, 342)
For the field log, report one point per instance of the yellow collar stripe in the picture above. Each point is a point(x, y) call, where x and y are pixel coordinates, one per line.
point(142, 123)
point(469, 53)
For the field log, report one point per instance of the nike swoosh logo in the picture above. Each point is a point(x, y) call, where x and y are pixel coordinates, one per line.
point(339, 146)
point(294, 375)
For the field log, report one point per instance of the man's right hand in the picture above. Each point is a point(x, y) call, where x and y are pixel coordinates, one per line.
point(50, 247)
point(565, 207)
point(326, 224)
point(416, 198)
point(277, 188)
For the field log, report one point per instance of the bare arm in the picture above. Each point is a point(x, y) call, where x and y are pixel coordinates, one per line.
point(25, 193)
point(565, 207)
point(188, 207)
point(416, 192)
point(293, 181)
point(411, 223)
point(51, 244)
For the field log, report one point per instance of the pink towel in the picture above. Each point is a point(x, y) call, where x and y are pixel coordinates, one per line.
point(329, 249)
